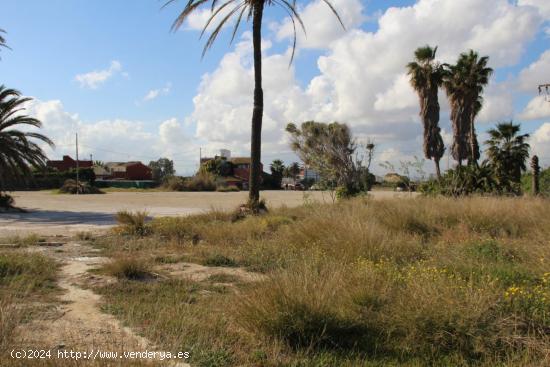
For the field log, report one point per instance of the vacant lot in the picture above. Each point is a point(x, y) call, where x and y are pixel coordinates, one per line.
point(52, 214)
point(420, 282)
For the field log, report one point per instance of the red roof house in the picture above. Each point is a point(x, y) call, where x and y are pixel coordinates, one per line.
point(135, 171)
point(67, 163)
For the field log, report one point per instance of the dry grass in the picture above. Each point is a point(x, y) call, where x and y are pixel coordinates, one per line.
point(129, 268)
point(25, 279)
point(21, 273)
point(132, 223)
point(417, 282)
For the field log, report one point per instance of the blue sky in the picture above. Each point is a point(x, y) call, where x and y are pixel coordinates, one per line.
point(58, 45)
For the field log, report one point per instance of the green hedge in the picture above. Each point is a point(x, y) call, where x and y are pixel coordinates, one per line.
point(54, 180)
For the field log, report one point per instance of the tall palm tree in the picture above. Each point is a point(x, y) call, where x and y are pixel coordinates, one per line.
point(253, 9)
point(426, 78)
point(464, 83)
point(508, 153)
point(19, 150)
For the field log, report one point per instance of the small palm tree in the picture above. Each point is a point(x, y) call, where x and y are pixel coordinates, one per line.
point(19, 151)
point(277, 167)
point(252, 10)
point(508, 153)
point(277, 171)
point(294, 170)
point(426, 78)
point(464, 83)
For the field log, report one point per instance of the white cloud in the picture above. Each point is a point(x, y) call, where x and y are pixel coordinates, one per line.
point(540, 143)
point(543, 6)
point(498, 104)
point(322, 26)
point(399, 96)
point(96, 78)
point(154, 93)
point(198, 19)
point(536, 73)
point(537, 108)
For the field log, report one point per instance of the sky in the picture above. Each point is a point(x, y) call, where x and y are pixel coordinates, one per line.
point(114, 72)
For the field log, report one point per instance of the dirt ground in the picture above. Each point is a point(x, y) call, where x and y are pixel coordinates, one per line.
point(55, 214)
point(76, 322)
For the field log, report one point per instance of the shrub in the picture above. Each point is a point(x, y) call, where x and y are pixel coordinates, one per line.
point(83, 188)
point(174, 183)
point(54, 179)
point(133, 223)
point(130, 268)
point(202, 181)
point(6, 201)
point(462, 181)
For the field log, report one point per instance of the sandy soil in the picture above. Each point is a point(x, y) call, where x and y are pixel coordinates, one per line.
point(54, 214)
point(78, 324)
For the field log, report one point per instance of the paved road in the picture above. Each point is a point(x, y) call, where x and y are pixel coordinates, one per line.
point(51, 214)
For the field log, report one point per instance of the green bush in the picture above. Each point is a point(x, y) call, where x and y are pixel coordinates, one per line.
point(47, 180)
point(462, 181)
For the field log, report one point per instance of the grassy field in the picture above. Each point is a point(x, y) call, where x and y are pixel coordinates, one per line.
point(417, 282)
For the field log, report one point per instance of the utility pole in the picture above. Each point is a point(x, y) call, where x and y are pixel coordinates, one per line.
point(77, 175)
point(200, 158)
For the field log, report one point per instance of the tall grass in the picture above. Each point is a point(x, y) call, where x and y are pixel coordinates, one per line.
point(29, 271)
point(424, 282)
point(132, 223)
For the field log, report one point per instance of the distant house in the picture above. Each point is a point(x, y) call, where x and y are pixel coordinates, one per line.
point(134, 171)
point(67, 163)
point(241, 168)
point(101, 173)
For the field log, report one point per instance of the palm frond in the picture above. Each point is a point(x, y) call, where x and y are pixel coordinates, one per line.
point(19, 151)
point(241, 7)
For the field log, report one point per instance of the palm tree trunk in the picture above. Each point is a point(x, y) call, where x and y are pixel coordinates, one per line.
point(437, 168)
point(472, 142)
point(257, 114)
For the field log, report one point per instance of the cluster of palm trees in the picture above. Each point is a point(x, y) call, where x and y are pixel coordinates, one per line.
point(19, 150)
point(464, 83)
